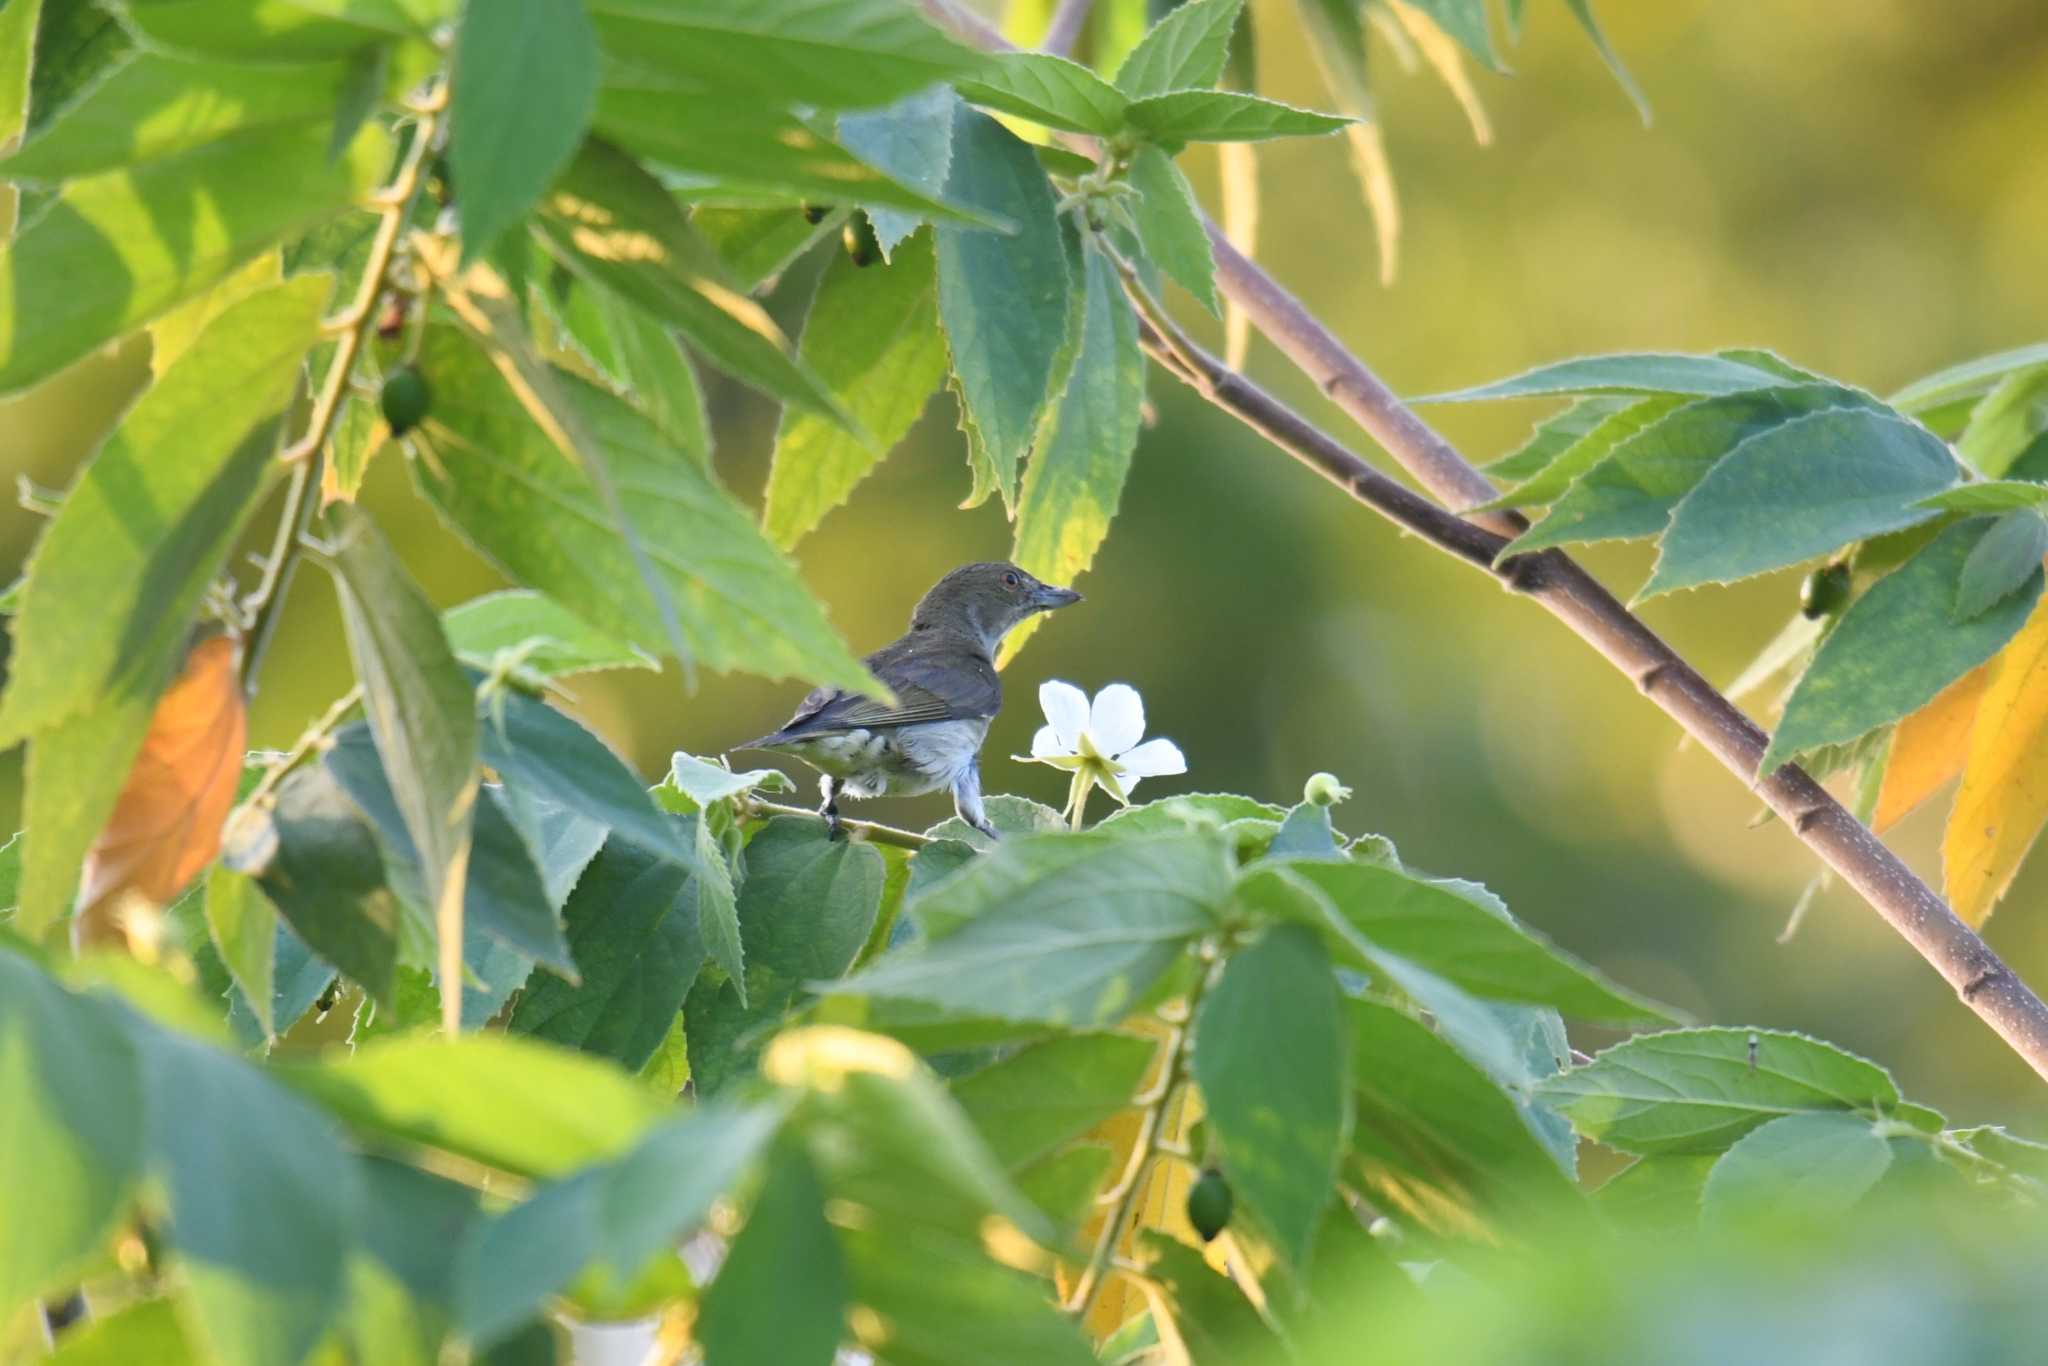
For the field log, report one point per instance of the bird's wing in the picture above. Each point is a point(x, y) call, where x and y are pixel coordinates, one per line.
point(929, 686)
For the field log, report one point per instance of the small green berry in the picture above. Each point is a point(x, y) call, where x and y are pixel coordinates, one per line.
point(859, 237)
point(1824, 591)
point(1210, 1203)
point(404, 399)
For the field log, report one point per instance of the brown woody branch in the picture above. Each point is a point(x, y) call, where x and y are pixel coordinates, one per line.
point(1561, 585)
point(1572, 595)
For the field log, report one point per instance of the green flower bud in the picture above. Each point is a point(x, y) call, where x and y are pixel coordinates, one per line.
point(1324, 790)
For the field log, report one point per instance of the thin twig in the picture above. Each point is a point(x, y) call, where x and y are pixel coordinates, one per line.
point(304, 745)
point(1550, 577)
point(1148, 1146)
point(265, 603)
point(1065, 28)
point(872, 831)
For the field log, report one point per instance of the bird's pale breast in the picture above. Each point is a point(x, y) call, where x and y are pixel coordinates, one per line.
point(899, 761)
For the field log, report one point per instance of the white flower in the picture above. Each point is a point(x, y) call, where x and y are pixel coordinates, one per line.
point(1099, 744)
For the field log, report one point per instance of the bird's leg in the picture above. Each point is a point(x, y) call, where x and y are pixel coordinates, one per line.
point(967, 800)
point(830, 786)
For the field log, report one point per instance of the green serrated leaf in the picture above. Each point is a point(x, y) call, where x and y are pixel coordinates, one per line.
point(803, 911)
point(1427, 1115)
point(911, 140)
point(1032, 931)
point(1005, 302)
point(71, 1089)
point(1044, 1096)
point(1898, 645)
point(507, 489)
point(1600, 441)
point(1225, 116)
point(524, 88)
point(1967, 380)
point(1186, 50)
point(266, 1271)
point(243, 925)
point(327, 881)
point(852, 54)
point(1645, 374)
point(609, 220)
point(112, 591)
point(637, 948)
point(1800, 489)
point(873, 337)
point(1797, 1167)
point(1170, 223)
point(545, 637)
point(155, 106)
point(1633, 490)
point(1466, 21)
point(1582, 10)
point(538, 750)
point(1694, 1090)
point(1270, 1057)
point(1443, 927)
point(1046, 89)
point(511, 1103)
point(421, 713)
point(1991, 495)
point(93, 264)
point(2006, 559)
point(787, 1255)
point(1077, 473)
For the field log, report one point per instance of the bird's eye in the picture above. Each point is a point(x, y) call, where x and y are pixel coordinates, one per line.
point(1009, 580)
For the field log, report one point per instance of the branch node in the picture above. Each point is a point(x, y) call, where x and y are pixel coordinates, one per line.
point(1980, 981)
point(1648, 679)
point(1524, 574)
point(1808, 818)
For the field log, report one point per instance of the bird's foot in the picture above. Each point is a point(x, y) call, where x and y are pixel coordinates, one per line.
point(835, 828)
point(988, 828)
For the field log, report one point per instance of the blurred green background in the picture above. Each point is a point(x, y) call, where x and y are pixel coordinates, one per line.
point(1859, 184)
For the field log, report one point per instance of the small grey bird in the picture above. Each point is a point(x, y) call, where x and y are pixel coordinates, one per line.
point(943, 673)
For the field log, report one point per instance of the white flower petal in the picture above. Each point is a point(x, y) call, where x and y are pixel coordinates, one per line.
point(1154, 759)
point(1046, 744)
point(1117, 720)
point(1066, 707)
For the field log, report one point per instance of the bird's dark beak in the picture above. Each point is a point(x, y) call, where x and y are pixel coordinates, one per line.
point(1049, 597)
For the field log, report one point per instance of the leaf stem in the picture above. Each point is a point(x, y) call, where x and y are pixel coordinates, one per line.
point(306, 455)
point(872, 831)
point(304, 745)
point(1151, 1143)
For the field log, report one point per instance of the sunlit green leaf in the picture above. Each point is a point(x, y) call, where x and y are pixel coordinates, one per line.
point(873, 337)
point(103, 258)
point(848, 55)
point(527, 1107)
point(1898, 645)
point(1990, 495)
point(1186, 50)
point(243, 925)
point(2002, 562)
point(1047, 89)
point(1225, 116)
point(509, 491)
point(544, 636)
point(911, 140)
point(156, 106)
point(1581, 455)
point(1170, 222)
point(1694, 1090)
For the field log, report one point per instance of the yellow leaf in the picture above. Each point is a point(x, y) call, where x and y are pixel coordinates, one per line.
point(1929, 747)
point(166, 823)
point(1376, 178)
point(1440, 50)
point(2004, 797)
point(1237, 167)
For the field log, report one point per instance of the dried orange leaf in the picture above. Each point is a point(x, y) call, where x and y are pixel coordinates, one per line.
point(166, 822)
point(2004, 797)
point(1929, 747)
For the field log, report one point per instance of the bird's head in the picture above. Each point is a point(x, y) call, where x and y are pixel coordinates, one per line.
point(985, 601)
